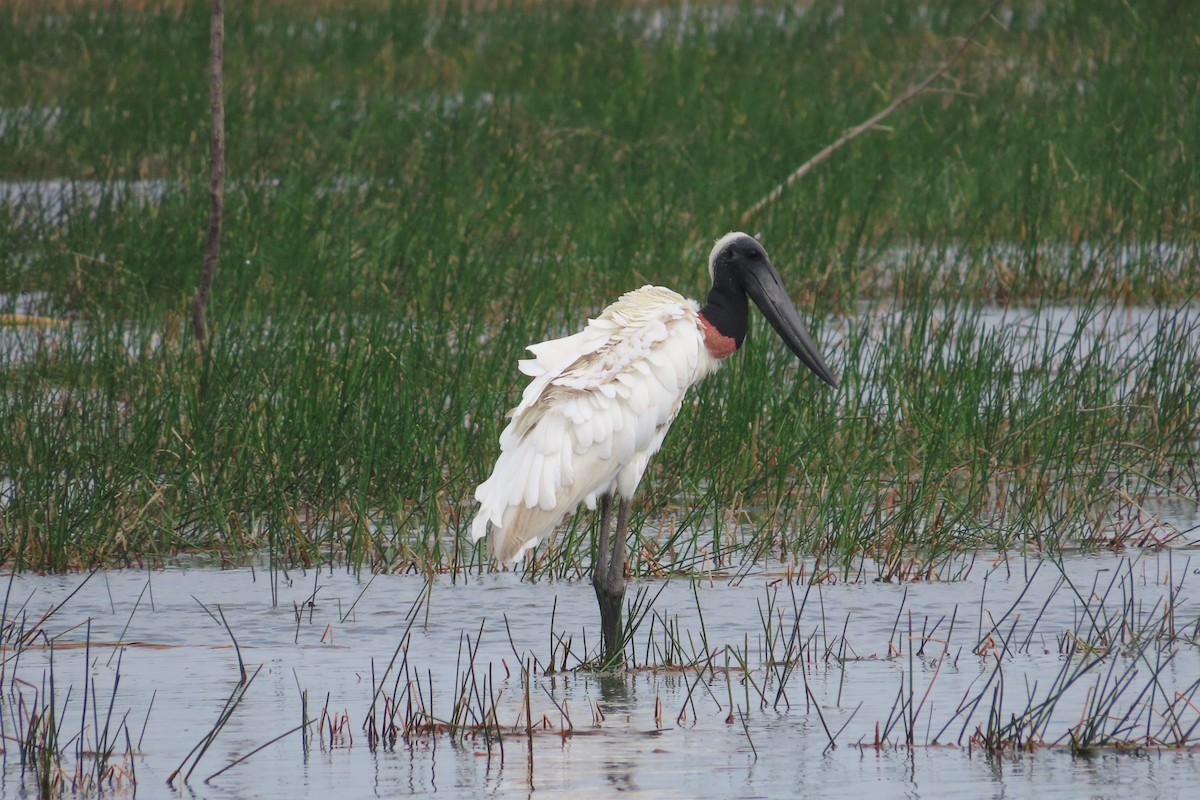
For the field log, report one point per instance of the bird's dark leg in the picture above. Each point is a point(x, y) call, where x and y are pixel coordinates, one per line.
point(600, 577)
point(600, 562)
point(608, 578)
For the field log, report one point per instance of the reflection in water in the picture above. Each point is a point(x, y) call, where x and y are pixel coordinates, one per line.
point(616, 692)
point(617, 699)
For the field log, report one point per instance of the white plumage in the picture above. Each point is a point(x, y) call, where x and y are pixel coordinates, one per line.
point(597, 409)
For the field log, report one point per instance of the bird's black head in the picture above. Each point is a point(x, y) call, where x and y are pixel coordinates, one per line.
point(740, 268)
point(731, 257)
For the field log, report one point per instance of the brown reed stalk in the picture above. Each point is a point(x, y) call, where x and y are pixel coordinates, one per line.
point(903, 99)
point(216, 191)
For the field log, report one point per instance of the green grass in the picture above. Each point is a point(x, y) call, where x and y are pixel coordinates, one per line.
point(414, 196)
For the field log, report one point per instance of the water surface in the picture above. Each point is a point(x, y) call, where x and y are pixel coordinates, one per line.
point(865, 649)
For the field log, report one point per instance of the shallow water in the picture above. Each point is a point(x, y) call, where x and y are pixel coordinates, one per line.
point(50, 202)
point(862, 646)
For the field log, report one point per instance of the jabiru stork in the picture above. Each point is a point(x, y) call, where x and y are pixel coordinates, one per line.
point(601, 402)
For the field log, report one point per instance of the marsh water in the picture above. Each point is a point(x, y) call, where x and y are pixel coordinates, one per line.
point(767, 685)
point(1004, 674)
point(996, 674)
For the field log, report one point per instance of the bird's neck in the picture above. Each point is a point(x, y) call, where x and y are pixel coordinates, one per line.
point(725, 316)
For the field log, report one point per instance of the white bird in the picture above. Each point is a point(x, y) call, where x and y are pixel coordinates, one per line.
point(601, 401)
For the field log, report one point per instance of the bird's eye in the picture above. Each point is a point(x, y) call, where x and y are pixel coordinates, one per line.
point(753, 255)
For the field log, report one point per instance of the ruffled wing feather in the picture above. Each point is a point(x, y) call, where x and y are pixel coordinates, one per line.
point(597, 409)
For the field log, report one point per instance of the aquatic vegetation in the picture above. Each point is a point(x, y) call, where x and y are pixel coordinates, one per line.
point(974, 545)
point(1005, 281)
point(1004, 656)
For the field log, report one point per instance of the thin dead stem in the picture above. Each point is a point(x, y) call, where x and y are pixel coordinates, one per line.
point(873, 122)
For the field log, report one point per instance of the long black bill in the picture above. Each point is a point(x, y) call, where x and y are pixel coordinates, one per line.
point(765, 288)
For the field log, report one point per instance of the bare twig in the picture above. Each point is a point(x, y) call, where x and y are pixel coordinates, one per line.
point(873, 122)
point(259, 749)
point(212, 245)
point(202, 746)
point(31, 633)
point(225, 624)
point(237, 650)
